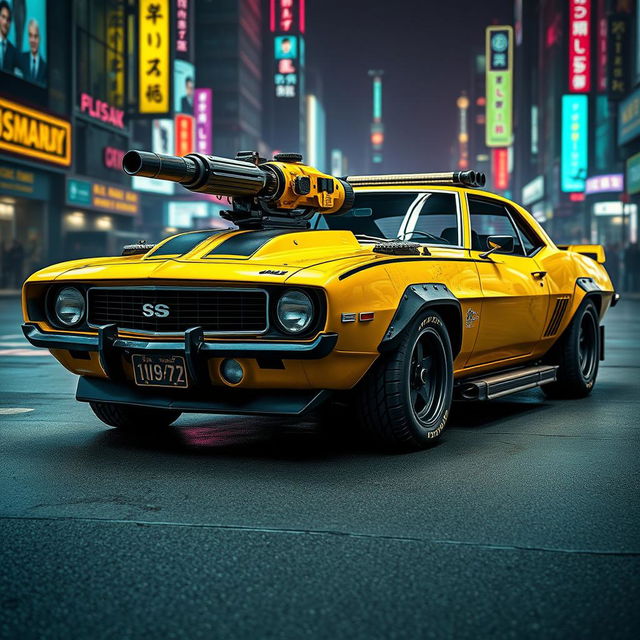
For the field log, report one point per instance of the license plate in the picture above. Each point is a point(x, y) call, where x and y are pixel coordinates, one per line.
point(159, 371)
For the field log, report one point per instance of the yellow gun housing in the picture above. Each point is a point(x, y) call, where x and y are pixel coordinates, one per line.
point(283, 187)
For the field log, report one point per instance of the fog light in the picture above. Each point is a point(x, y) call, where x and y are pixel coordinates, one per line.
point(232, 371)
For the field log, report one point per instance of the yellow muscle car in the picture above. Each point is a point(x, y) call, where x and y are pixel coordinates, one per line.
point(395, 294)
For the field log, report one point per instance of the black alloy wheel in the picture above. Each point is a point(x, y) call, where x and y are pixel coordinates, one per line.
point(577, 355)
point(404, 400)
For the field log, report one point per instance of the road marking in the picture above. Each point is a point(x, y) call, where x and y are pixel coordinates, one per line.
point(10, 411)
point(24, 352)
point(11, 336)
point(3, 344)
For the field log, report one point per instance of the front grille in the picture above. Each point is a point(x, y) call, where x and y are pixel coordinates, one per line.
point(215, 310)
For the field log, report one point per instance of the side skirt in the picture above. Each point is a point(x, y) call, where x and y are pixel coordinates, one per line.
point(497, 385)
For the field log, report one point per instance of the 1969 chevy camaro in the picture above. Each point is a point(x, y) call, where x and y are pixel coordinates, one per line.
point(416, 295)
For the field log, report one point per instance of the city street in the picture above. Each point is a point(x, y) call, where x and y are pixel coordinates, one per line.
point(522, 521)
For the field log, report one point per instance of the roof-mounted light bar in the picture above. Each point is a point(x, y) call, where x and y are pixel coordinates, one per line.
point(460, 178)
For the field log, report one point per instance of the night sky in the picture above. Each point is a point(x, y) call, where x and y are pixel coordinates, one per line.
point(425, 49)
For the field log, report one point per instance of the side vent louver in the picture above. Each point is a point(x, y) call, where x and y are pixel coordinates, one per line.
point(556, 317)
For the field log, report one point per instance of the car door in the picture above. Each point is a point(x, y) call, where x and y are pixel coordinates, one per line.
point(515, 294)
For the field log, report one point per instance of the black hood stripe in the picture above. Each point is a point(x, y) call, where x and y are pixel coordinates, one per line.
point(378, 263)
point(247, 243)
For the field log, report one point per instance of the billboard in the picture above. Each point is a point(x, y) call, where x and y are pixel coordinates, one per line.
point(579, 46)
point(23, 34)
point(575, 120)
point(183, 86)
point(161, 142)
point(154, 72)
point(499, 86)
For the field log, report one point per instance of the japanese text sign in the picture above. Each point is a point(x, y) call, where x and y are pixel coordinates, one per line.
point(579, 46)
point(154, 73)
point(499, 83)
point(203, 115)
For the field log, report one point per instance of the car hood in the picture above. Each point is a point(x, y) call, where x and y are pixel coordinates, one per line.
point(227, 256)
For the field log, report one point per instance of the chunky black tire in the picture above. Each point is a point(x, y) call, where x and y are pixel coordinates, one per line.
point(577, 355)
point(130, 418)
point(404, 400)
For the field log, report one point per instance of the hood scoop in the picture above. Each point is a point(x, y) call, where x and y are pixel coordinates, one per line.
point(139, 248)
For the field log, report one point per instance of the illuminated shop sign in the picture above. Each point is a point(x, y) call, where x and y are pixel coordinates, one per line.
point(500, 168)
point(112, 158)
point(619, 55)
point(286, 56)
point(614, 208)
point(184, 134)
point(633, 174)
point(183, 16)
point(154, 73)
point(101, 111)
point(24, 182)
point(287, 16)
point(575, 116)
point(162, 141)
point(34, 134)
point(610, 183)
point(204, 121)
point(579, 46)
point(629, 118)
point(499, 81)
point(533, 191)
point(101, 196)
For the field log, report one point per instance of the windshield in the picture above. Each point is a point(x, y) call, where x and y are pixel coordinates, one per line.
point(426, 217)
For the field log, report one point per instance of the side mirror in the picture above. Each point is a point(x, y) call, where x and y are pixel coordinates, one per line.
point(495, 243)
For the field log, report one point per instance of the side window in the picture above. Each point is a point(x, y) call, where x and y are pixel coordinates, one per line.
point(530, 240)
point(436, 222)
point(491, 219)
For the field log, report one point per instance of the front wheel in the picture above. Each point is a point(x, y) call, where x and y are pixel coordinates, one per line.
point(404, 400)
point(577, 355)
point(131, 418)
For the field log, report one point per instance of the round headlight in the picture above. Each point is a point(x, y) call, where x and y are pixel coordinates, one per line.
point(294, 311)
point(69, 306)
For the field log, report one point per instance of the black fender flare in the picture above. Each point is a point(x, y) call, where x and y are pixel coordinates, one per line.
point(592, 291)
point(416, 298)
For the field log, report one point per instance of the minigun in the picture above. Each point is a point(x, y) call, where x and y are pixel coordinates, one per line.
point(282, 192)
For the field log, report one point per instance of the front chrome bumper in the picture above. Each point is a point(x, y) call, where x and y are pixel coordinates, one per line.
point(201, 397)
point(195, 350)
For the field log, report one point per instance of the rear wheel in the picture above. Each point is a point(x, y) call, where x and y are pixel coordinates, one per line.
point(405, 399)
point(577, 355)
point(131, 418)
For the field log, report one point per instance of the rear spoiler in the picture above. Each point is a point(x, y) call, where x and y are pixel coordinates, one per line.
point(593, 251)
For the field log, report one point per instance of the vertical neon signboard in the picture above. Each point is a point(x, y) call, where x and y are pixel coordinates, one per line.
point(154, 73)
point(203, 108)
point(500, 168)
point(575, 119)
point(499, 83)
point(579, 46)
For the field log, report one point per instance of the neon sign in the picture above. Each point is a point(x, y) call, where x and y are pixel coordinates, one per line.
point(575, 119)
point(580, 46)
point(499, 82)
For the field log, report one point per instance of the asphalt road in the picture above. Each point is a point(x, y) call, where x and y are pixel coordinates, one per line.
point(523, 522)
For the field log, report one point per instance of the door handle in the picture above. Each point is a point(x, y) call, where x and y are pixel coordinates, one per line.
point(539, 274)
